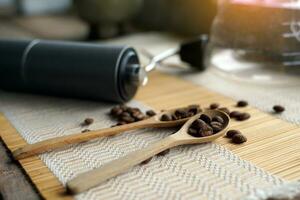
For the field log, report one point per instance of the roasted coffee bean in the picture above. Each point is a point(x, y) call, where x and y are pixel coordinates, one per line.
point(278, 109)
point(140, 117)
point(166, 117)
point(88, 121)
point(85, 130)
point(218, 119)
point(239, 139)
point(207, 131)
point(205, 118)
point(194, 109)
point(242, 103)
point(174, 117)
point(133, 110)
point(123, 107)
point(198, 124)
point(231, 133)
point(146, 161)
point(214, 106)
point(125, 114)
point(225, 110)
point(150, 113)
point(181, 113)
point(128, 119)
point(163, 153)
point(243, 116)
point(193, 132)
point(234, 114)
point(116, 111)
point(216, 126)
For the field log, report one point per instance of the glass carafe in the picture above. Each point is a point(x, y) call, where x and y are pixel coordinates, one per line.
point(257, 41)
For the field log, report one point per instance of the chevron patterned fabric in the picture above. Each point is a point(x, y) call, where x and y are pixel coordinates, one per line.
point(207, 171)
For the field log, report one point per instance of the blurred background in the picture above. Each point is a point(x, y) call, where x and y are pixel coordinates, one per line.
point(102, 19)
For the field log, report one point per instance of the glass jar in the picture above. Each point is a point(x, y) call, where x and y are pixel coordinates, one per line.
point(257, 41)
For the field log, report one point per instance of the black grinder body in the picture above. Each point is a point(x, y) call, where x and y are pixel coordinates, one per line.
point(70, 69)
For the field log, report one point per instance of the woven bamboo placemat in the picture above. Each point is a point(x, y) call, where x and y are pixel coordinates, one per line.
point(273, 144)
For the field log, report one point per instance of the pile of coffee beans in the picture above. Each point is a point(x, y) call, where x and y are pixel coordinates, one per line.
point(206, 126)
point(126, 114)
point(182, 113)
point(236, 136)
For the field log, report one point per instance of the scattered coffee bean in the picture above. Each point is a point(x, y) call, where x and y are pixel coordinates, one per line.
point(239, 139)
point(150, 113)
point(146, 161)
point(278, 109)
point(242, 103)
point(214, 106)
point(218, 119)
point(205, 118)
point(166, 117)
point(225, 110)
point(88, 121)
point(163, 153)
point(85, 130)
point(234, 114)
point(231, 133)
point(243, 116)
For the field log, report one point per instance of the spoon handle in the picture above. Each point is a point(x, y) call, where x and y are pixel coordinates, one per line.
point(55, 143)
point(109, 170)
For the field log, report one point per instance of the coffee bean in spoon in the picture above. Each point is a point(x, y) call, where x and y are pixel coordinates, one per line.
point(166, 117)
point(218, 119)
point(216, 126)
point(205, 118)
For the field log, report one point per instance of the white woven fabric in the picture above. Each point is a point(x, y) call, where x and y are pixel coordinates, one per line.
point(207, 171)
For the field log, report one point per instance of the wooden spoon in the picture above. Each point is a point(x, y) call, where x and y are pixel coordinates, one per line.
point(97, 176)
point(55, 143)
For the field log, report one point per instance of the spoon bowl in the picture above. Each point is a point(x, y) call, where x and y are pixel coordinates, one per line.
point(109, 170)
point(186, 138)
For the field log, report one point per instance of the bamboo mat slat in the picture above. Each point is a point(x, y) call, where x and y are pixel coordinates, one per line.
point(273, 144)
